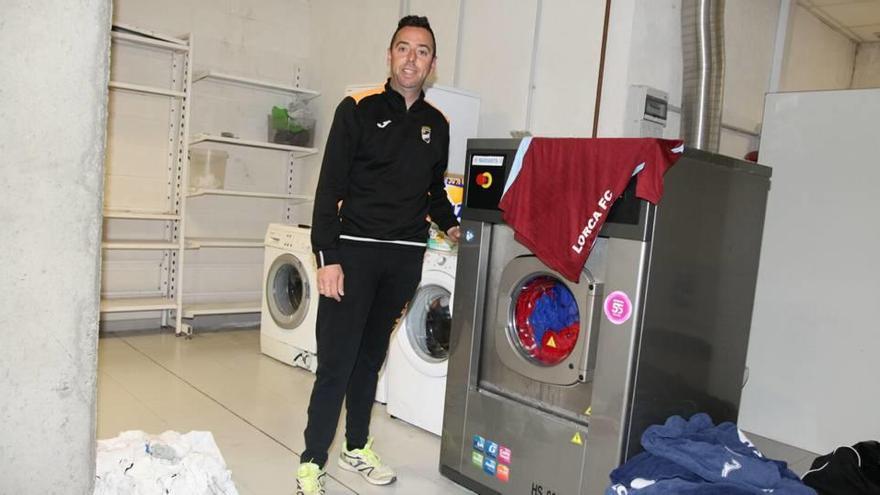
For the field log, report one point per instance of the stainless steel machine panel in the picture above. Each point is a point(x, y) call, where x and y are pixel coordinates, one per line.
point(498, 400)
point(528, 382)
point(541, 452)
point(703, 270)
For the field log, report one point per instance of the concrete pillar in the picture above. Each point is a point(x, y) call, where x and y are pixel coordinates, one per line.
point(54, 66)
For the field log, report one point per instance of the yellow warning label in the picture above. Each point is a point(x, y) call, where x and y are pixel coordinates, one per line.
point(576, 439)
point(551, 343)
point(589, 411)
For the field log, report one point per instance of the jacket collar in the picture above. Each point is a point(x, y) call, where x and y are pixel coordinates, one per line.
point(399, 102)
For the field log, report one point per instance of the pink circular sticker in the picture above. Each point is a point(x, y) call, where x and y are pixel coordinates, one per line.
point(618, 307)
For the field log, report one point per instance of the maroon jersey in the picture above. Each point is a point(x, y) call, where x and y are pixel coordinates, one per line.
point(561, 197)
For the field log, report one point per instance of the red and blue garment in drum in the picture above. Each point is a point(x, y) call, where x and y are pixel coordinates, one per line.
point(547, 320)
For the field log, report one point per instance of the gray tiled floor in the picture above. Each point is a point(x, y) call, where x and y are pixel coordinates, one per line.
point(256, 406)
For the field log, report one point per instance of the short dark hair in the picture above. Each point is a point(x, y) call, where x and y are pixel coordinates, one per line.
point(418, 21)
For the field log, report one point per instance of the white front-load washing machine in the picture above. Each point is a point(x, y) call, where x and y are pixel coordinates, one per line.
point(417, 358)
point(382, 386)
point(290, 297)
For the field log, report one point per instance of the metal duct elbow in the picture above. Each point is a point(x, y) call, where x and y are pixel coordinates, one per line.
point(702, 41)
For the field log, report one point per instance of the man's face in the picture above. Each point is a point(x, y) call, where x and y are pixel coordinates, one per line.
point(411, 58)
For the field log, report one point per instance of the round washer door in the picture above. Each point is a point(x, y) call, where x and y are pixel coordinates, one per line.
point(545, 325)
point(424, 335)
point(287, 291)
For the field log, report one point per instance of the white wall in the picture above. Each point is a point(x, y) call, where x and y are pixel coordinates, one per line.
point(644, 48)
point(444, 17)
point(495, 61)
point(566, 68)
point(53, 71)
point(867, 66)
point(338, 62)
point(265, 38)
point(617, 76)
point(812, 354)
point(818, 57)
point(749, 30)
point(552, 46)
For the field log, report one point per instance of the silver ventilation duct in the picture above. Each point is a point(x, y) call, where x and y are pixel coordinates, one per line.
point(702, 40)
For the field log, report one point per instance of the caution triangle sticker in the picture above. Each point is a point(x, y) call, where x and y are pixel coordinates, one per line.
point(551, 343)
point(576, 439)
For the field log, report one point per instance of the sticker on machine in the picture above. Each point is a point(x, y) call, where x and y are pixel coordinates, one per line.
point(479, 443)
point(504, 454)
point(490, 466)
point(618, 307)
point(502, 473)
point(491, 449)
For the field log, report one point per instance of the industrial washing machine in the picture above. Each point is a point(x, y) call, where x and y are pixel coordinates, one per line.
point(657, 325)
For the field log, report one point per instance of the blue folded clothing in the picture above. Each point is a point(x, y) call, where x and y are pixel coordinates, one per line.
point(696, 457)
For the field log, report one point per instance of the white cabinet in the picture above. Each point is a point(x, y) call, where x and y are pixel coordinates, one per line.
point(813, 346)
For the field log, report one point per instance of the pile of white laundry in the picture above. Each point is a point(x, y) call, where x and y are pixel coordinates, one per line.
point(173, 464)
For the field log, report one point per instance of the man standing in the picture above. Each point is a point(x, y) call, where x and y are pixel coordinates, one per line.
point(382, 174)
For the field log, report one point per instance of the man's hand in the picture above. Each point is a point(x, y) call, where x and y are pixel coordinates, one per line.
point(454, 233)
point(330, 280)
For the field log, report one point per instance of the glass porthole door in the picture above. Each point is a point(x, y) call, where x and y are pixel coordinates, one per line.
point(287, 291)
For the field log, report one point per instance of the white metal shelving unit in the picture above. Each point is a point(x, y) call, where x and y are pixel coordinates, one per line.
point(172, 244)
point(297, 151)
point(248, 194)
point(191, 310)
point(221, 308)
point(257, 84)
point(140, 215)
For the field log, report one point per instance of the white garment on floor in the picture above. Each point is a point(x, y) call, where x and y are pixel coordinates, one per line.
point(140, 464)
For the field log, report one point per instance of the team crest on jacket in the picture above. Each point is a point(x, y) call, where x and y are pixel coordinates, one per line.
point(426, 133)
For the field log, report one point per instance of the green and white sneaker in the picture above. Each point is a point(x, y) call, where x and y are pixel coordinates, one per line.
point(367, 463)
point(310, 479)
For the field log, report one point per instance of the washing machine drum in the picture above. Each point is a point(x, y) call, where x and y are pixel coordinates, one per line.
point(546, 321)
point(287, 291)
point(428, 322)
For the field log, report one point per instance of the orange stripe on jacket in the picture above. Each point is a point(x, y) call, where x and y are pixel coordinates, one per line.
point(360, 95)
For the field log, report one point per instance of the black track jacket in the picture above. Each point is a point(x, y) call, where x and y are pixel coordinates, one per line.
point(386, 164)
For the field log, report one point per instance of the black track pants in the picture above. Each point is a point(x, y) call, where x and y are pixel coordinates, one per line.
point(353, 340)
